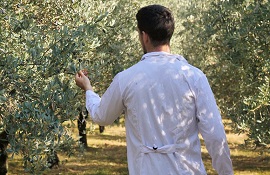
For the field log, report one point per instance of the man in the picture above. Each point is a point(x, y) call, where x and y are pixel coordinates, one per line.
point(167, 102)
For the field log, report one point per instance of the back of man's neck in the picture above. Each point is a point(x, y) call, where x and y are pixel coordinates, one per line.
point(162, 48)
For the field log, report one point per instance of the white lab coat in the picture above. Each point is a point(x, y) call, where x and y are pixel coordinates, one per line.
point(167, 102)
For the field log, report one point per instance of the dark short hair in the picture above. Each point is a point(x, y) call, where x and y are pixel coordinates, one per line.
point(158, 22)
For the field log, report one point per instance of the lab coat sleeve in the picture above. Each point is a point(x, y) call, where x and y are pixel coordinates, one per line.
point(105, 110)
point(211, 127)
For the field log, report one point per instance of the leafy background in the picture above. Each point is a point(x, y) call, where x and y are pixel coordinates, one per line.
point(44, 43)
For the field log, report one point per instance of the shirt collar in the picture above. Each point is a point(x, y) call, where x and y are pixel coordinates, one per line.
point(161, 53)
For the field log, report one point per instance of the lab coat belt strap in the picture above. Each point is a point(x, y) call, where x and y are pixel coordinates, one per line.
point(166, 149)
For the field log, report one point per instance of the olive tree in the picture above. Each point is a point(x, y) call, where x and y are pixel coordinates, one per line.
point(229, 40)
point(42, 45)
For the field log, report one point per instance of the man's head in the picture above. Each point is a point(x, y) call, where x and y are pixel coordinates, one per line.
point(157, 22)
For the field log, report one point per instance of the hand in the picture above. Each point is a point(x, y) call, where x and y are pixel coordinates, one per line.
point(83, 81)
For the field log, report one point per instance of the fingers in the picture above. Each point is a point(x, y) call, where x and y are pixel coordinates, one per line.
point(80, 73)
point(85, 72)
point(82, 80)
point(77, 78)
point(81, 76)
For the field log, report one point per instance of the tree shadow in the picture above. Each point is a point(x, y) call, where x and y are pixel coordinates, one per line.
point(108, 137)
point(245, 163)
point(242, 163)
point(106, 159)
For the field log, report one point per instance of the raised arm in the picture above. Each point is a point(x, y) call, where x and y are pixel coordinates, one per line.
point(106, 109)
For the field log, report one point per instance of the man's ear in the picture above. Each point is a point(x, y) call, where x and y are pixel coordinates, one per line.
point(145, 37)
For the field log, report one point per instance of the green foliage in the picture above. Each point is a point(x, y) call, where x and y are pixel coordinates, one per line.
point(231, 45)
point(42, 45)
point(119, 48)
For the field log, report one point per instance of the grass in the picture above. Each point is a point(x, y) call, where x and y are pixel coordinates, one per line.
point(106, 155)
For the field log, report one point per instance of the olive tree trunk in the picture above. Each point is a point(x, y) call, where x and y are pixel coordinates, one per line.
point(82, 127)
point(3, 153)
